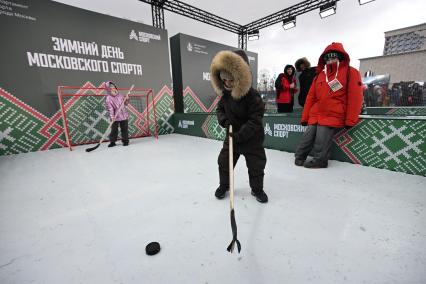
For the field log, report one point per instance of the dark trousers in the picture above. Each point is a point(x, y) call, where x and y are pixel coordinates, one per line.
point(255, 161)
point(124, 127)
point(318, 137)
point(284, 108)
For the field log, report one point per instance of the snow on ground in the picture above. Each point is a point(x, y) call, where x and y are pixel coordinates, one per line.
point(77, 217)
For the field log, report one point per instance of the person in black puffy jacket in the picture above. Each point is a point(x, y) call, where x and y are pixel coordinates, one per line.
point(306, 76)
point(242, 107)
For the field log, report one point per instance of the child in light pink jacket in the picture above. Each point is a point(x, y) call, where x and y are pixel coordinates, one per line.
point(114, 100)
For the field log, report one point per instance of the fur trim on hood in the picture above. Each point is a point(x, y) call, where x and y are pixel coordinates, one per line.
point(301, 61)
point(237, 66)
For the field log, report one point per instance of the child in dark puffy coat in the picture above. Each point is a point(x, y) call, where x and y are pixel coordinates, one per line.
point(242, 107)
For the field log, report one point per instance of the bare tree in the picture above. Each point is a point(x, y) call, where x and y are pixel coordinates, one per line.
point(264, 77)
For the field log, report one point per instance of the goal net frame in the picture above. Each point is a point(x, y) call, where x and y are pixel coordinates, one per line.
point(142, 122)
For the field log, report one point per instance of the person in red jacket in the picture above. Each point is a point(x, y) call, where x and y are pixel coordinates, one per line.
point(334, 101)
point(286, 87)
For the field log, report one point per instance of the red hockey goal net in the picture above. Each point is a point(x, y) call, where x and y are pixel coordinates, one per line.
point(86, 119)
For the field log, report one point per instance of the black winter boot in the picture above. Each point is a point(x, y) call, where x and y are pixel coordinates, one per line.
point(126, 143)
point(221, 192)
point(260, 195)
point(298, 162)
point(315, 164)
point(112, 144)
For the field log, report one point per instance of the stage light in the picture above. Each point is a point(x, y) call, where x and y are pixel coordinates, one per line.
point(328, 9)
point(254, 35)
point(362, 2)
point(289, 23)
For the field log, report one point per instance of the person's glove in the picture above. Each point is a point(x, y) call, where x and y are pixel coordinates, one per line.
point(235, 137)
point(304, 123)
point(226, 124)
point(347, 127)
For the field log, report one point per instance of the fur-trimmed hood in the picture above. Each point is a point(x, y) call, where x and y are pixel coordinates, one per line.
point(301, 61)
point(236, 65)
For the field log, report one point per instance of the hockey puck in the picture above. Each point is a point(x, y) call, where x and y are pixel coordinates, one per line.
point(152, 248)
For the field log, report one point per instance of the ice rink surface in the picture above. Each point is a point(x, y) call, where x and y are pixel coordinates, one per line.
point(77, 217)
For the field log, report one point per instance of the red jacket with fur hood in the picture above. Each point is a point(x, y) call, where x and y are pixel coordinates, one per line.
point(334, 109)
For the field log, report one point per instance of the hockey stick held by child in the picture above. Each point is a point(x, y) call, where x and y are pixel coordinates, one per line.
point(112, 121)
point(231, 189)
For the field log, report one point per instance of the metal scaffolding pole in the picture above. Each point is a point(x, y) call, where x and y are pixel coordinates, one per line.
point(158, 14)
point(242, 40)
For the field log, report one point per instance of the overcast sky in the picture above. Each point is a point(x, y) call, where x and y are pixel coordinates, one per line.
point(360, 28)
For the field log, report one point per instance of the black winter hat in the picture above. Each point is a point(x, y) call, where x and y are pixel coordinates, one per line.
point(333, 54)
point(243, 55)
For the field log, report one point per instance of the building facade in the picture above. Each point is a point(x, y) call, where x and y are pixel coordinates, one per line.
point(404, 56)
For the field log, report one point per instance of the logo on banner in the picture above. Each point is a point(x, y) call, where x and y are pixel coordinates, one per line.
point(251, 58)
point(185, 123)
point(133, 35)
point(197, 48)
point(189, 47)
point(268, 129)
point(282, 130)
point(143, 36)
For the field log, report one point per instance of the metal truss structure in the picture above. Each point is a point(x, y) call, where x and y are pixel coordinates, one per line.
point(158, 14)
point(178, 7)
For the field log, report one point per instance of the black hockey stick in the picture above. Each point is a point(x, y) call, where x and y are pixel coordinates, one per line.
point(112, 121)
point(234, 235)
point(231, 189)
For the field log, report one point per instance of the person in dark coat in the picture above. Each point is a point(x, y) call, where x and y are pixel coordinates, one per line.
point(242, 107)
point(306, 76)
point(286, 87)
point(334, 101)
